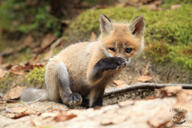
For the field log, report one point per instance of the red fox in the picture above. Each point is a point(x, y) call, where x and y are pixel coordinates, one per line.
point(78, 75)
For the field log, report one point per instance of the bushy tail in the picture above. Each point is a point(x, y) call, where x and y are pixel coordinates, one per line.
point(34, 95)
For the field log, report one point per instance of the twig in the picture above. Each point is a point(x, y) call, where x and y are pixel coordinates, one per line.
point(144, 86)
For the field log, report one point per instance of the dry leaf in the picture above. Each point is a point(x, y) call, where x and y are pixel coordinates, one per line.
point(9, 66)
point(159, 124)
point(20, 115)
point(20, 69)
point(14, 93)
point(173, 7)
point(19, 112)
point(171, 90)
point(145, 78)
point(2, 73)
point(183, 98)
point(168, 91)
point(93, 36)
point(64, 116)
point(113, 120)
point(47, 41)
point(17, 70)
point(119, 83)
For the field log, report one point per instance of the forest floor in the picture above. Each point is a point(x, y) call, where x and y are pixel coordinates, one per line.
point(168, 107)
point(22, 65)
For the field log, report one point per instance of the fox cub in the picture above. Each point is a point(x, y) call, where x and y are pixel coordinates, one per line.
point(79, 74)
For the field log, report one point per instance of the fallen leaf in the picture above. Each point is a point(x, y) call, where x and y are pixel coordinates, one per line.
point(47, 41)
point(2, 73)
point(14, 93)
point(93, 37)
point(173, 7)
point(145, 78)
point(179, 117)
point(158, 124)
point(17, 70)
point(119, 83)
point(113, 120)
point(173, 89)
point(64, 116)
point(9, 66)
point(21, 68)
point(183, 98)
point(19, 112)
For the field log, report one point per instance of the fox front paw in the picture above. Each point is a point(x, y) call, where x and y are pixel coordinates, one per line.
point(111, 63)
point(73, 99)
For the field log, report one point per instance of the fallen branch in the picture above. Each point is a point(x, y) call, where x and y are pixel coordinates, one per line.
point(144, 86)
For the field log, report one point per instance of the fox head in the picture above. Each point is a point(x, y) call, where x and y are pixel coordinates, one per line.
point(121, 39)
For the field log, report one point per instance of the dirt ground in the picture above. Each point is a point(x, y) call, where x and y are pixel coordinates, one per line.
point(170, 108)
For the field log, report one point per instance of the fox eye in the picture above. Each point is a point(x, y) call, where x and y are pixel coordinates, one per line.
point(128, 50)
point(112, 49)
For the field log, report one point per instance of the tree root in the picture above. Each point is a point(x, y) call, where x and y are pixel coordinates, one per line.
point(144, 86)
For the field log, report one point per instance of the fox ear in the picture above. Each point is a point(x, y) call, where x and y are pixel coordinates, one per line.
point(105, 24)
point(137, 26)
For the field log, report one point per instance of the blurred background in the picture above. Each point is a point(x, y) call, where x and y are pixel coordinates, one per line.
point(31, 31)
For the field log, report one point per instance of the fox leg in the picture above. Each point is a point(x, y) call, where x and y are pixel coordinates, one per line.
point(96, 97)
point(102, 73)
point(67, 96)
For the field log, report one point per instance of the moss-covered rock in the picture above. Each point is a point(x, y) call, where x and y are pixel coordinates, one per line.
point(168, 32)
point(35, 77)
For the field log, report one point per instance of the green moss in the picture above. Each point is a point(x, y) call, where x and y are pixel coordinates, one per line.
point(169, 25)
point(35, 77)
point(168, 32)
point(6, 82)
point(177, 1)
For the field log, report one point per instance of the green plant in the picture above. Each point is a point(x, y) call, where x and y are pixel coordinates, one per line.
point(35, 77)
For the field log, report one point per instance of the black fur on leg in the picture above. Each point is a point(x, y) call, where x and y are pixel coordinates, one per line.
point(85, 102)
point(109, 63)
point(98, 100)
